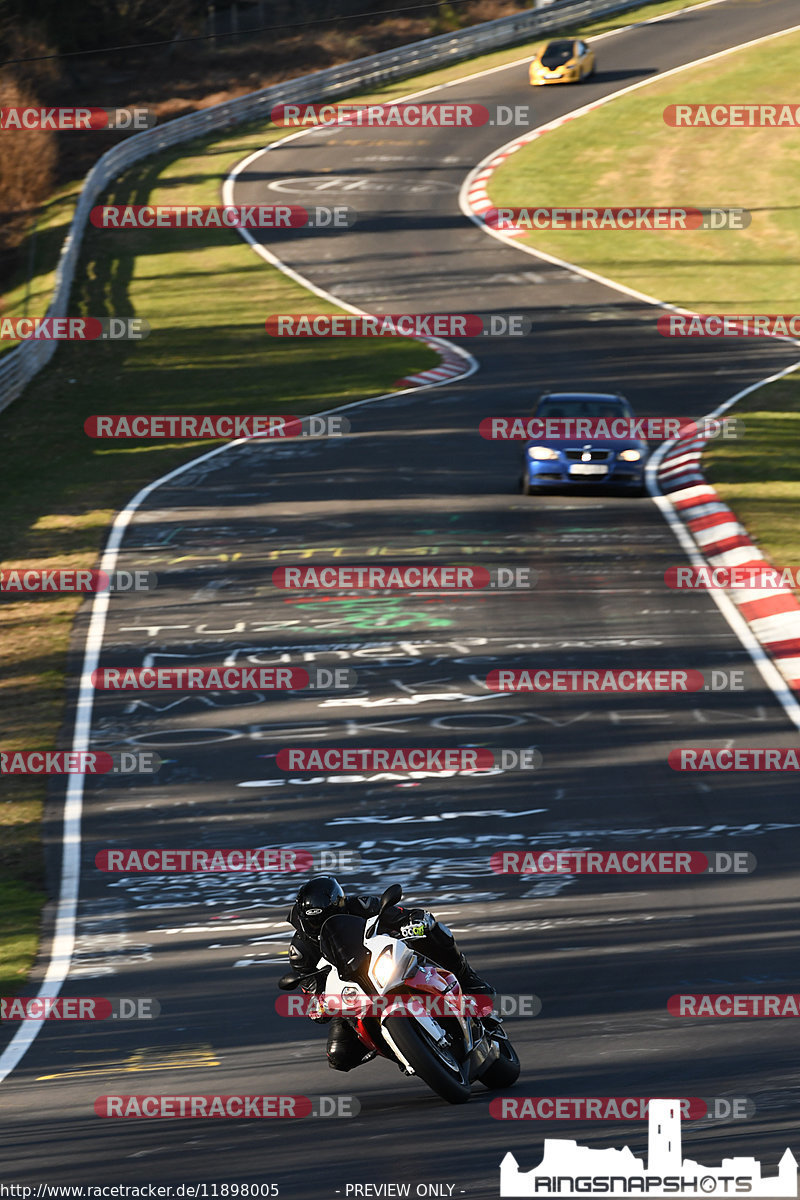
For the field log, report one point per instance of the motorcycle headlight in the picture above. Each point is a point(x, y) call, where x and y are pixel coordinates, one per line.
point(542, 453)
point(631, 455)
point(383, 967)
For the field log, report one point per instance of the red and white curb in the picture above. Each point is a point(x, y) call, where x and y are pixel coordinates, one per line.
point(452, 366)
point(476, 193)
point(773, 614)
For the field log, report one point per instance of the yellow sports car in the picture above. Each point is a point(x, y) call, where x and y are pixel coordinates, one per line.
point(562, 61)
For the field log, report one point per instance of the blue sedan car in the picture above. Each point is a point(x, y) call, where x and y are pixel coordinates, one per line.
point(578, 446)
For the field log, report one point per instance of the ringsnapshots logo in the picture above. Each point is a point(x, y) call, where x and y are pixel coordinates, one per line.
point(570, 1170)
point(414, 325)
point(221, 427)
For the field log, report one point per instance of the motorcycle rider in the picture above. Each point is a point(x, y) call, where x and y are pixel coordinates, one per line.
point(322, 897)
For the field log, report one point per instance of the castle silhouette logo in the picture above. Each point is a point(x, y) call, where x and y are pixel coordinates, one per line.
point(568, 1169)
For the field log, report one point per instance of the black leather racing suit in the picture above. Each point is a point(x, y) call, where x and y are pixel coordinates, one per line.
point(345, 1050)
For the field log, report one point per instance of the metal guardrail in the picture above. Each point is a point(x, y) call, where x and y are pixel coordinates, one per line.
point(20, 366)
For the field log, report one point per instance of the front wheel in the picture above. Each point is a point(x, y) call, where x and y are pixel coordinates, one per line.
point(504, 1070)
point(434, 1065)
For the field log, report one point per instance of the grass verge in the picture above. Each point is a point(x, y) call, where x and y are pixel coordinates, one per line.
point(624, 154)
point(759, 475)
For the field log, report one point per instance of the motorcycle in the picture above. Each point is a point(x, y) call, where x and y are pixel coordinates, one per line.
point(370, 974)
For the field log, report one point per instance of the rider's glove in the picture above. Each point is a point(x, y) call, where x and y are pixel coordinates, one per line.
point(418, 925)
point(316, 1010)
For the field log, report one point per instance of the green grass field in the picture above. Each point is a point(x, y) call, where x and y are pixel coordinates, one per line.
point(623, 153)
point(759, 476)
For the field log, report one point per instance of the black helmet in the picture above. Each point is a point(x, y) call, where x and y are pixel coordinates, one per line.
point(317, 900)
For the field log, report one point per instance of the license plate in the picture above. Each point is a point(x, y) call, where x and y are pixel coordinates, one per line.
point(588, 469)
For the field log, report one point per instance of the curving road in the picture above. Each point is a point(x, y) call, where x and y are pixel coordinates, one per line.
point(414, 479)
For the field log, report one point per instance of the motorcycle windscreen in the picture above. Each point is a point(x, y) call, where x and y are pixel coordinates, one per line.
point(341, 942)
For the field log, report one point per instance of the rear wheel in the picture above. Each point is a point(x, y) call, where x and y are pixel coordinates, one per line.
point(505, 1070)
point(434, 1064)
